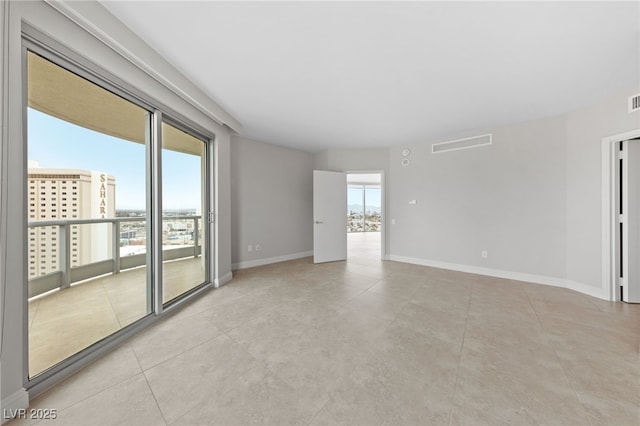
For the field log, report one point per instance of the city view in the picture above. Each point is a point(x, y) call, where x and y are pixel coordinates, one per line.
point(77, 173)
point(364, 213)
point(359, 220)
point(179, 228)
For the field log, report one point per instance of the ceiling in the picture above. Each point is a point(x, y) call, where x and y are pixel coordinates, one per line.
point(320, 75)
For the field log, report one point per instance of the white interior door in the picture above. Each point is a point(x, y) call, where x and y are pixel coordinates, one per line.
point(329, 216)
point(630, 220)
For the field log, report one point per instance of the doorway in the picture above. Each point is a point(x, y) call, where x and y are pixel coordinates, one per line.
point(628, 219)
point(365, 235)
point(621, 216)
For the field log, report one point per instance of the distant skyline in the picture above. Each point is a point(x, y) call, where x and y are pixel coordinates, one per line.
point(58, 144)
point(372, 198)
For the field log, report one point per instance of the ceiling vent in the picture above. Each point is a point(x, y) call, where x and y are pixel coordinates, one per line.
point(465, 143)
point(634, 102)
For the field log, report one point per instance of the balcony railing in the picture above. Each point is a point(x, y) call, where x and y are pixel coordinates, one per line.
point(66, 275)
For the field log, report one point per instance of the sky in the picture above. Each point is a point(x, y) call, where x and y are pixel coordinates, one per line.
point(372, 197)
point(56, 144)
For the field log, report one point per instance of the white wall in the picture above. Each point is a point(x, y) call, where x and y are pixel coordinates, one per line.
point(343, 160)
point(223, 204)
point(586, 128)
point(506, 198)
point(532, 200)
point(271, 202)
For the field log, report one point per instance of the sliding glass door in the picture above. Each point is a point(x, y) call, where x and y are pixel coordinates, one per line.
point(184, 202)
point(118, 223)
point(87, 217)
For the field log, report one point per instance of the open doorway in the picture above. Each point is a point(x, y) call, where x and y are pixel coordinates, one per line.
point(364, 215)
point(621, 216)
point(627, 217)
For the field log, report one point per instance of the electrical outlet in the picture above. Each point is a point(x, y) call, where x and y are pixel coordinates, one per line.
point(258, 248)
point(485, 254)
point(249, 247)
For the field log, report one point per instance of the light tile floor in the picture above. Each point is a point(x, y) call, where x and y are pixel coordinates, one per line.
point(369, 342)
point(65, 322)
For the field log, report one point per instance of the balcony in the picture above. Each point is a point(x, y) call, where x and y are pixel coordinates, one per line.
point(66, 275)
point(74, 307)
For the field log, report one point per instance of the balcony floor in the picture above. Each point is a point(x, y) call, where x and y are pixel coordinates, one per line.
point(67, 321)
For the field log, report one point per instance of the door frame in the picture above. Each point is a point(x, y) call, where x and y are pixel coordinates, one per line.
point(609, 279)
point(383, 208)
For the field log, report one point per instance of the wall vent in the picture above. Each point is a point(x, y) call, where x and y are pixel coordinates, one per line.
point(465, 143)
point(634, 102)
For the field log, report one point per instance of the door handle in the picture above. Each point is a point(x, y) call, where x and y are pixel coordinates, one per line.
point(318, 222)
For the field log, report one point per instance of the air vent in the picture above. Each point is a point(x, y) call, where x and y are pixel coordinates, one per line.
point(465, 143)
point(634, 102)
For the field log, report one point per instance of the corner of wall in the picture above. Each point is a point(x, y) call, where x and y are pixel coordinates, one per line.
point(321, 160)
point(223, 204)
point(219, 282)
point(271, 202)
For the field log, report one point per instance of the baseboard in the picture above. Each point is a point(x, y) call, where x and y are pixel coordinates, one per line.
point(269, 260)
point(499, 273)
point(219, 282)
point(12, 404)
point(597, 292)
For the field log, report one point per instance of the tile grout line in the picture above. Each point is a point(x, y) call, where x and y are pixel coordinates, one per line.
point(555, 352)
point(179, 353)
point(146, 380)
point(144, 371)
point(262, 364)
point(464, 333)
point(35, 315)
point(233, 381)
point(319, 411)
point(90, 395)
point(111, 304)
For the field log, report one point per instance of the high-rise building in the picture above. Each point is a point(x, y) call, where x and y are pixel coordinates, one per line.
point(67, 194)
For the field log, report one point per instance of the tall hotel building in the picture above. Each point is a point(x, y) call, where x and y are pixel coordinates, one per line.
point(68, 194)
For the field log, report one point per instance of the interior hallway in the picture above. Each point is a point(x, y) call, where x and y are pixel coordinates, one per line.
point(369, 342)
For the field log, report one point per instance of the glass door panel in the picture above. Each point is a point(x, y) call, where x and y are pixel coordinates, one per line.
point(86, 213)
point(372, 209)
point(355, 208)
point(184, 236)
point(364, 212)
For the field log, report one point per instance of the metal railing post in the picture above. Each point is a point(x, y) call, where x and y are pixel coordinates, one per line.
point(195, 237)
point(65, 255)
point(115, 237)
